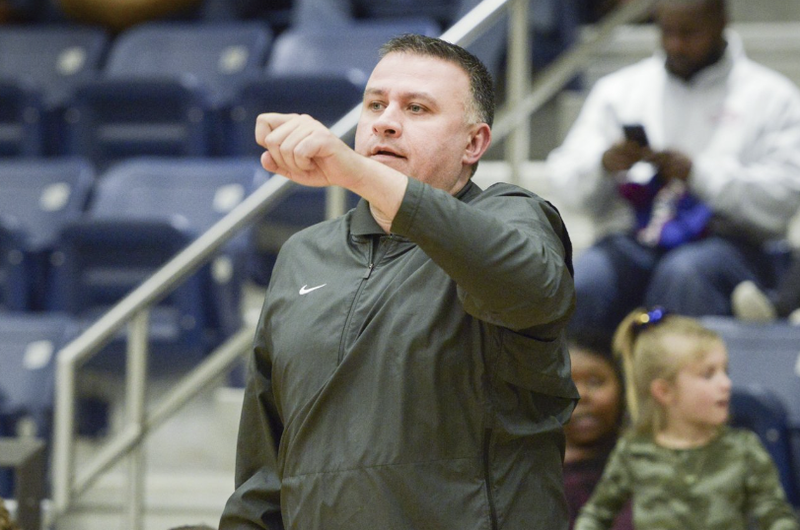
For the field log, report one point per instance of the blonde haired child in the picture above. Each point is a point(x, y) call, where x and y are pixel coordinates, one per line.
point(681, 465)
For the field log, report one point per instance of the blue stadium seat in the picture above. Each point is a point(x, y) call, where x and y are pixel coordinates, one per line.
point(758, 409)
point(442, 11)
point(52, 58)
point(40, 196)
point(326, 97)
point(219, 56)
point(108, 121)
point(28, 347)
point(14, 282)
point(22, 128)
point(162, 90)
point(350, 49)
point(766, 355)
point(144, 211)
point(46, 63)
point(277, 13)
point(327, 13)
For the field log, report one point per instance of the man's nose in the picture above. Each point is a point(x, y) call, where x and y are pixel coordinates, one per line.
point(388, 123)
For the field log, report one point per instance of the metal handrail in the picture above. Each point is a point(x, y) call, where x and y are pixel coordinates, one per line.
point(133, 308)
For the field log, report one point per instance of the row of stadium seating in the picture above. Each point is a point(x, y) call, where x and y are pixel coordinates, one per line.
point(76, 240)
point(175, 89)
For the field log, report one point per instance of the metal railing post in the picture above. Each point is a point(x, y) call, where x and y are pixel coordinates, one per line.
point(518, 79)
point(135, 396)
point(192, 384)
point(63, 434)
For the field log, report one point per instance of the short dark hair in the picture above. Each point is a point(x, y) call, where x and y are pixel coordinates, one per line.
point(480, 80)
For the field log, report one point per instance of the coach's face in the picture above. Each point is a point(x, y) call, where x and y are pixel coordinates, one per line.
point(417, 118)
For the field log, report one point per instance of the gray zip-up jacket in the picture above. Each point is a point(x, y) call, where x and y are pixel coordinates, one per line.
point(417, 380)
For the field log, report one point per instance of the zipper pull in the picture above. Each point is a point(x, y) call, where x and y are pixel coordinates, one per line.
point(368, 271)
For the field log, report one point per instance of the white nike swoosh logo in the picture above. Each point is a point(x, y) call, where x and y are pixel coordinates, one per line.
point(306, 289)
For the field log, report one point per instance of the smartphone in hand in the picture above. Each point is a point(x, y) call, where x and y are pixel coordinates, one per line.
point(635, 132)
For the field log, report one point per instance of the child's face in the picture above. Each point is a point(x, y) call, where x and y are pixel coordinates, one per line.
point(701, 393)
point(597, 415)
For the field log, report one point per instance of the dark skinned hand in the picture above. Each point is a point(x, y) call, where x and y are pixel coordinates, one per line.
point(671, 165)
point(622, 155)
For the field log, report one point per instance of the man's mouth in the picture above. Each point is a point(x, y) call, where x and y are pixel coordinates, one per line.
point(384, 152)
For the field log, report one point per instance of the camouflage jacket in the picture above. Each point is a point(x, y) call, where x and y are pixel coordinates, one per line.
point(719, 486)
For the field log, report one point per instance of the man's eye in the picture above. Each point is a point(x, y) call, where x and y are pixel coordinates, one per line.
point(415, 108)
point(375, 105)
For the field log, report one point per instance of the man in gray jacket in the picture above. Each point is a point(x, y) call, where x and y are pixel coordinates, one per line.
point(409, 369)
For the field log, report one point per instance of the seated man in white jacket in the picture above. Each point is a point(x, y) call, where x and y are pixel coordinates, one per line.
point(682, 211)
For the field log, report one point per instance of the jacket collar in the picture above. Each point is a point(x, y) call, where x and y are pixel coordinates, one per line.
point(363, 224)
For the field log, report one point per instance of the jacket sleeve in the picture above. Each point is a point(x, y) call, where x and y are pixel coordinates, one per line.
point(610, 494)
point(255, 504)
point(508, 252)
point(766, 500)
point(760, 190)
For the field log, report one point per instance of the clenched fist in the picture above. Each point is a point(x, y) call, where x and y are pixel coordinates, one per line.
point(303, 150)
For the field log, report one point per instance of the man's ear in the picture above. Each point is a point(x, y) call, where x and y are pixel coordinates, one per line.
point(479, 140)
point(661, 390)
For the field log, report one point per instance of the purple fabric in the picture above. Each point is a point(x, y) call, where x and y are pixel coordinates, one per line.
point(666, 216)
